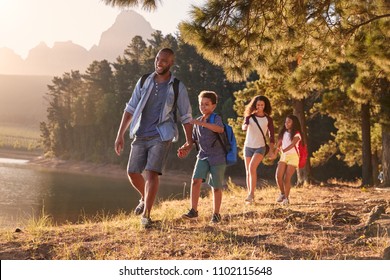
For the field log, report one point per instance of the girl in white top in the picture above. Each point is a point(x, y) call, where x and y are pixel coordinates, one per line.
point(288, 142)
point(258, 110)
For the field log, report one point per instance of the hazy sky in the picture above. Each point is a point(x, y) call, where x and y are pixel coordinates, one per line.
point(26, 23)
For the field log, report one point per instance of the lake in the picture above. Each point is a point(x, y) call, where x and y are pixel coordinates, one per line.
point(26, 192)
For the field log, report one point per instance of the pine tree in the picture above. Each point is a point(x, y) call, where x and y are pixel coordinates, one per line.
point(289, 39)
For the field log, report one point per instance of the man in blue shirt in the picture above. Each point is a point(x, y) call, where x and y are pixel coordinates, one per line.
point(150, 115)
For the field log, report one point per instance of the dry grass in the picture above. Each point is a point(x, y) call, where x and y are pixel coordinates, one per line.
point(19, 138)
point(323, 222)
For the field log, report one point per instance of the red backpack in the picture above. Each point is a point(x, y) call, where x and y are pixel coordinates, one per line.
point(302, 153)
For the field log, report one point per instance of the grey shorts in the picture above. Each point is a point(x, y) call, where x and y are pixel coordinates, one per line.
point(148, 153)
point(249, 152)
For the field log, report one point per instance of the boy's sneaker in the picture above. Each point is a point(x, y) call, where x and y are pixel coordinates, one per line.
point(146, 222)
point(140, 208)
point(280, 198)
point(215, 219)
point(192, 214)
point(285, 201)
point(249, 199)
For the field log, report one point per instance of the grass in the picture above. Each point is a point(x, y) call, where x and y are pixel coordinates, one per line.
point(19, 138)
point(324, 222)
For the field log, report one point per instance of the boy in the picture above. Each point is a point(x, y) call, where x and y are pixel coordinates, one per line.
point(211, 155)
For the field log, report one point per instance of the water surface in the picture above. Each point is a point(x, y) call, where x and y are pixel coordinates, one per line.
point(26, 192)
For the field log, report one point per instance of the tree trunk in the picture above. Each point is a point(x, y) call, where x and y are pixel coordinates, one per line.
point(386, 154)
point(366, 145)
point(375, 169)
point(303, 174)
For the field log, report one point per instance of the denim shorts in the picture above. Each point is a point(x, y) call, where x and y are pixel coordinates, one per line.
point(148, 153)
point(217, 173)
point(249, 152)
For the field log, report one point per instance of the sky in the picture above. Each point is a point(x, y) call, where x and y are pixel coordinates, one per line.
point(26, 23)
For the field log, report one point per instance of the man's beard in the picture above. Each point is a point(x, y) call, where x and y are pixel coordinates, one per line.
point(163, 72)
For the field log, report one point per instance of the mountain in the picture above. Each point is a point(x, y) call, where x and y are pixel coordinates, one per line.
point(114, 40)
point(10, 62)
point(63, 56)
point(67, 56)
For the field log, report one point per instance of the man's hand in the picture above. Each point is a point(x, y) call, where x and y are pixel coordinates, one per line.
point(184, 150)
point(119, 144)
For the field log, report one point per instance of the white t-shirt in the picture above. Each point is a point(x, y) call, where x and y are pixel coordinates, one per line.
point(254, 138)
point(286, 141)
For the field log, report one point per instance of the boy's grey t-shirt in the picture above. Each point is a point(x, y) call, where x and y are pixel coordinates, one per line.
point(210, 147)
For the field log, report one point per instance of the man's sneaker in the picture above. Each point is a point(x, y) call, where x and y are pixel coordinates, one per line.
point(192, 214)
point(249, 199)
point(286, 201)
point(216, 218)
point(140, 208)
point(280, 198)
point(146, 222)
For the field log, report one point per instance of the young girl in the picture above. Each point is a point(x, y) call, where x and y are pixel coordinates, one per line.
point(210, 158)
point(257, 114)
point(288, 142)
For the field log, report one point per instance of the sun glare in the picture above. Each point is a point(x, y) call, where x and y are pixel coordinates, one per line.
point(4, 4)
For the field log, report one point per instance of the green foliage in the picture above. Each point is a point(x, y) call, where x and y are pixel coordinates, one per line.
point(148, 5)
point(334, 53)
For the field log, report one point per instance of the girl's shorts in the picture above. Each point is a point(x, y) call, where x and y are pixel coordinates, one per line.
point(249, 152)
point(290, 159)
point(217, 173)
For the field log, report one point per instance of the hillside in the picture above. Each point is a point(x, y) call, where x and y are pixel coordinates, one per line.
point(22, 101)
point(327, 222)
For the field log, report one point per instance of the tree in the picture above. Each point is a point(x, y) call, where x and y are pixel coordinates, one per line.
point(366, 50)
point(273, 38)
point(135, 49)
point(145, 4)
point(61, 118)
point(243, 36)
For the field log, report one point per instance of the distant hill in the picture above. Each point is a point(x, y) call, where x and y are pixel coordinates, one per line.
point(66, 56)
point(22, 100)
point(114, 40)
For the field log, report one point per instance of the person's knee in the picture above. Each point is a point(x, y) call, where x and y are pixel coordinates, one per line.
point(151, 175)
point(253, 168)
point(133, 176)
point(196, 183)
point(217, 191)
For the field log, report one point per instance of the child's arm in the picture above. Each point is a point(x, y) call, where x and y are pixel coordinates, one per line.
point(245, 124)
point(271, 135)
point(292, 145)
point(213, 127)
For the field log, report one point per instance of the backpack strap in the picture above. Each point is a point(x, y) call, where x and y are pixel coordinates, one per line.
point(195, 137)
point(175, 86)
point(212, 120)
point(258, 125)
point(143, 78)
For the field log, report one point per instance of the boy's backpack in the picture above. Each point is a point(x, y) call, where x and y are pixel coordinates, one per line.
point(175, 91)
point(302, 153)
point(228, 142)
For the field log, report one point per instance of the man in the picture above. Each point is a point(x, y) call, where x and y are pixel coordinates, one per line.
point(150, 115)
